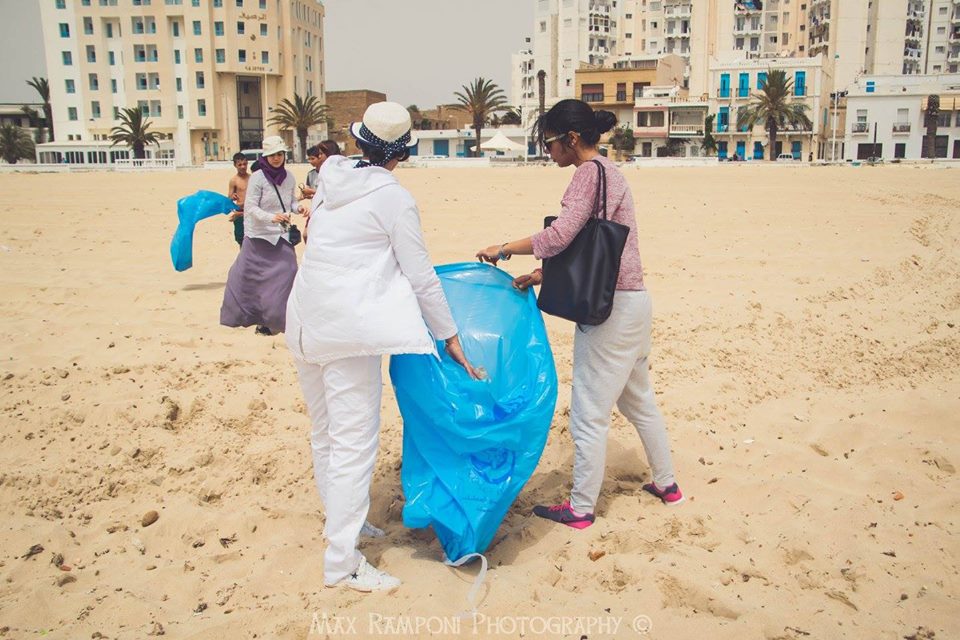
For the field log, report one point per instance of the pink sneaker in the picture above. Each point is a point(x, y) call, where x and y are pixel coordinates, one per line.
point(670, 496)
point(564, 514)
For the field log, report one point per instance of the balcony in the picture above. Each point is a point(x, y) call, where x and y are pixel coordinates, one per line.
point(953, 56)
point(746, 7)
point(901, 127)
point(686, 130)
point(861, 128)
point(679, 12)
point(911, 54)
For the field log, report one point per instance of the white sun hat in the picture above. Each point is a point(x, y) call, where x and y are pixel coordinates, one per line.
point(388, 121)
point(273, 144)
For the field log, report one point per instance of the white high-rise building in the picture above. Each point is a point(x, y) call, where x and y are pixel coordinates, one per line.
point(206, 73)
point(566, 34)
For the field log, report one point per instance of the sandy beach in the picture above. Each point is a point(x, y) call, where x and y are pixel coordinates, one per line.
point(806, 357)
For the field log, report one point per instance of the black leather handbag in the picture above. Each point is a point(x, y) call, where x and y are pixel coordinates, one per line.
point(580, 281)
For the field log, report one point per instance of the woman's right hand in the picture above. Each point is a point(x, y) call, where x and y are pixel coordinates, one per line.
point(455, 351)
point(522, 283)
point(282, 218)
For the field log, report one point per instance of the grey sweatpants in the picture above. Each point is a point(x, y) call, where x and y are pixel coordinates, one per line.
point(610, 367)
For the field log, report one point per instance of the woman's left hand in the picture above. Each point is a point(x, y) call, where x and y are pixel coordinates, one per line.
point(491, 254)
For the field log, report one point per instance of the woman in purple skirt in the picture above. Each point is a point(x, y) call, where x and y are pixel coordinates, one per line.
point(261, 278)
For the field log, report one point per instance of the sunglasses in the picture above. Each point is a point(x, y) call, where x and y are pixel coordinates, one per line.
point(548, 141)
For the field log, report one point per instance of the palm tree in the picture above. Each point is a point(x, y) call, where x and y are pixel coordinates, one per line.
point(299, 115)
point(15, 144)
point(134, 132)
point(511, 117)
point(480, 99)
point(931, 120)
point(772, 106)
point(709, 144)
point(43, 88)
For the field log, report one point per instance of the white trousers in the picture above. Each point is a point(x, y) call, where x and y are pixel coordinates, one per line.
point(610, 367)
point(343, 400)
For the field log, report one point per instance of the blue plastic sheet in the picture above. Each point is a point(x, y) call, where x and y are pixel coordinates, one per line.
point(470, 446)
point(190, 211)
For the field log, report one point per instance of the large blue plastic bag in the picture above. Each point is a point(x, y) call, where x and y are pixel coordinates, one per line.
point(470, 446)
point(190, 211)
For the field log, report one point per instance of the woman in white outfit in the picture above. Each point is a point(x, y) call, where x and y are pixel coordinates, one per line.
point(366, 288)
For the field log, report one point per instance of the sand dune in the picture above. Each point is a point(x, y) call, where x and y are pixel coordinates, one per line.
point(806, 355)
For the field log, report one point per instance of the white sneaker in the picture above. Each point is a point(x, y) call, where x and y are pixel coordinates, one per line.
point(370, 531)
point(368, 578)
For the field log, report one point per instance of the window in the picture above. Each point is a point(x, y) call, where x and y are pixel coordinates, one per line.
point(194, 3)
point(141, 81)
point(67, 58)
point(179, 82)
point(240, 3)
point(113, 85)
point(725, 85)
point(176, 56)
point(650, 119)
point(200, 84)
point(137, 25)
point(88, 26)
point(218, 28)
point(198, 55)
point(241, 28)
point(217, 3)
point(144, 107)
point(800, 83)
point(180, 112)
point(91, 53)
point(592, 93)
point(265, 57)
point(761, 80)
point(94, 82)
point(71, 87)
point(202, 107)
point(64, 30)
point(945, 119)
point(221, 55)
point(95, 108)
point(242, 55)
point(176, 29)
point(71, 113)
point(900, 150)
point(111, 58)
point(196, 28)
point(743, 90)
point(153, 81)
point(116, 113)
point(109, 29)
point(85, 3)
point(263, 4)
point(263, 30)
point(61, 4)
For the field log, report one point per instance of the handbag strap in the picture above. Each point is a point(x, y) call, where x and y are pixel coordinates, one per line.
point(600, 199)
point(283, 225)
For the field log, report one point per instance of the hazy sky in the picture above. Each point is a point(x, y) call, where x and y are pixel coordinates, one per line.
point(416, 51)
point(21, 49)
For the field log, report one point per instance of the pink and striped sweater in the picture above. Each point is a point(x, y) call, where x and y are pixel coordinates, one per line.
point(576, 207)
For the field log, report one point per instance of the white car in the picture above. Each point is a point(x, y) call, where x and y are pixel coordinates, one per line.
point(785, 157)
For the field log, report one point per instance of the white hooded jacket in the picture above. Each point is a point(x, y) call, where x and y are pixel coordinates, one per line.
point(366, 286)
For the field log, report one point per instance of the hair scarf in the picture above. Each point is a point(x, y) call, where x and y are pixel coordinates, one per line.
point(391, 150)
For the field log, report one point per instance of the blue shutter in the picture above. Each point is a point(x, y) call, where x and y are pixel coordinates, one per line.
point(725, 85)
point(761, 80)
point(744, 88)
point(723, 120)
point(800, 83)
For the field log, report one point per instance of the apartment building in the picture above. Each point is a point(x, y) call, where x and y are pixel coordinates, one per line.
point(733, 84)
point(206, 73)
point(617, 89)
point(887, 117)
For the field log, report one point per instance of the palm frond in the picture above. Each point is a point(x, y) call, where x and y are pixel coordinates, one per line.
point(15, 144)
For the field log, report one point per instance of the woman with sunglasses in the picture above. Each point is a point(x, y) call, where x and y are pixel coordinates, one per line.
point(609, 360)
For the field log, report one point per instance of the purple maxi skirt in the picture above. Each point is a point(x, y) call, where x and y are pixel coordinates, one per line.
point(259, 284)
